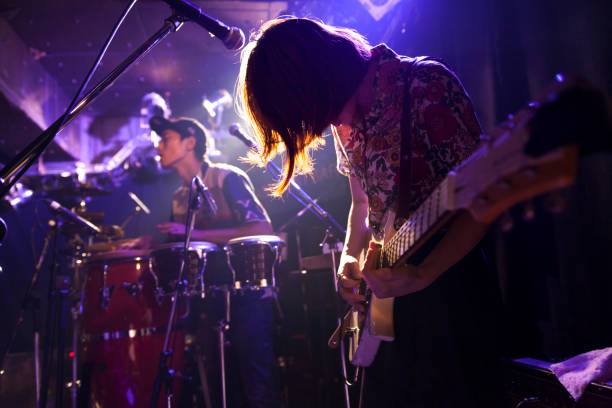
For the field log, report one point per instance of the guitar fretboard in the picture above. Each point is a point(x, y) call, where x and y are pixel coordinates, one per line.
point(435, 206)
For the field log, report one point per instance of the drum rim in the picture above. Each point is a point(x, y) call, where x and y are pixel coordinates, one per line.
point(136, 255)
point(256, 239)
point(193, 245)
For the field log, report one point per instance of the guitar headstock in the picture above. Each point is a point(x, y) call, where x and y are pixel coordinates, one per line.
point(534, 151)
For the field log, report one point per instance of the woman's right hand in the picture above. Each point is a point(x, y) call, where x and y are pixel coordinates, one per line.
point(349, 280)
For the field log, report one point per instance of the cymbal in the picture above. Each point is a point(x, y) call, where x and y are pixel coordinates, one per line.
point(107, 246)
point(77, 191)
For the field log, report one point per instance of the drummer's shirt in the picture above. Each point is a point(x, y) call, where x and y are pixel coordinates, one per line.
point(237, 205)
point(234, 196)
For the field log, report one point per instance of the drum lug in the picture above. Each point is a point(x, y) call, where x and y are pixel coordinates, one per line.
point(133, 288)
point(106, 291)
point(105, 296)
point(182, 287)
point(159, 297)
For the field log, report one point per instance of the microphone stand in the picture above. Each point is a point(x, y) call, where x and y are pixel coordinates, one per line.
point(294, 189)
point(165, 373)
point(305, 200)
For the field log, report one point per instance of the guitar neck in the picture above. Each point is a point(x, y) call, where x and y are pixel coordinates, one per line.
point(430, 216)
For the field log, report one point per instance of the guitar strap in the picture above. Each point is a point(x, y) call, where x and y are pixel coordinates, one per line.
point(405, 178)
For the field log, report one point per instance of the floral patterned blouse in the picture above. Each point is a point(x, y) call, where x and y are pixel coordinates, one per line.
point(443, 127)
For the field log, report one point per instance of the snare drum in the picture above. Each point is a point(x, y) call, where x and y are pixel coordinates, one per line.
point(123, 329)
point(253, 260)
point(165, 263)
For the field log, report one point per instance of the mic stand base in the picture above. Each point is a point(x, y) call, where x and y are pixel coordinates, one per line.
point(164, 376)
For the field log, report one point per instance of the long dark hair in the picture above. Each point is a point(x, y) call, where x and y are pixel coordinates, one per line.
point(296, 75)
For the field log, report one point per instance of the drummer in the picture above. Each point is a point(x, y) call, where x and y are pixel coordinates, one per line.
point(182, 148)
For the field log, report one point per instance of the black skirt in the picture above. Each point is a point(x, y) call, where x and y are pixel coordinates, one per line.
point(447, 345)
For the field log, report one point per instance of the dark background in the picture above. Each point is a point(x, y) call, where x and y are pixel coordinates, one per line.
point(554, 272)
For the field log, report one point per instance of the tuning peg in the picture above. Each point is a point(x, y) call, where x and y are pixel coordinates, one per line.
point(528, 211)
point(506, 222)
point(555, 202)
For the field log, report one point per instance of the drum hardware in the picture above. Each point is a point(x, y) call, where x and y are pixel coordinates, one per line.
point(203, 380)
point(74, 385)
point(181, 287)
point(66, 214)
point(67, 289)
point(133, 288)
point(61, 292)
point(106, 291)
point(138, 209)
point(110, 232)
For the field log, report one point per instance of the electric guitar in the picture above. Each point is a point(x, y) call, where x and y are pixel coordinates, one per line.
point(502, 172)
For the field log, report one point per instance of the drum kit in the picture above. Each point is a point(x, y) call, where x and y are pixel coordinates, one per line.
point(127, 296)
point(122, 304)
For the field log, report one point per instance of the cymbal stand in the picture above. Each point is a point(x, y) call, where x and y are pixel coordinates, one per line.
point(50, 332)
point(139, 208)
point(62, 291)
point(28, 298)
point(76, 311)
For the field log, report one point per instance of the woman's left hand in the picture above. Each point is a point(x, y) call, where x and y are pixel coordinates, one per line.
point(397, 281)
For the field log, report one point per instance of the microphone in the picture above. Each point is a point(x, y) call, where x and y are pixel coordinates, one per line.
point(236, 130)
point(232, 37)
point(71, 216)
point(204, 193)
point(139, 203)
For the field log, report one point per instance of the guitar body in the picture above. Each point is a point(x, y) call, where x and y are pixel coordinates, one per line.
point(377, 325)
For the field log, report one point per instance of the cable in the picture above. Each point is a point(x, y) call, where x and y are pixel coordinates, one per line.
point(99, 58)
point(526, 401)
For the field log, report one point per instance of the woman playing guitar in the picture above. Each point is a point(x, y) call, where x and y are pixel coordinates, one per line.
point(400, 125)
